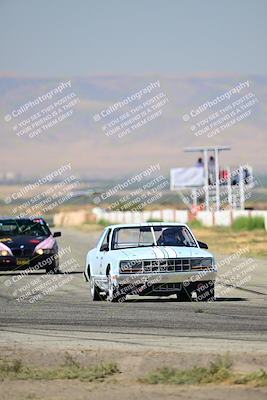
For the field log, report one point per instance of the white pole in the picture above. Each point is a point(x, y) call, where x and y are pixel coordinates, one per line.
point(217, 177)
point(206, 177)
point(229, 186)
point(241, 188)
point(194, 195)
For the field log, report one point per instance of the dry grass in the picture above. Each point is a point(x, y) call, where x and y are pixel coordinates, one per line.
point(227, 241)
point(71, 369)
point(219, 371)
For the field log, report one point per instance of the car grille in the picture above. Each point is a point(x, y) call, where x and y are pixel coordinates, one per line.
point(163, 266)
point(22, 252)
point(171, 265)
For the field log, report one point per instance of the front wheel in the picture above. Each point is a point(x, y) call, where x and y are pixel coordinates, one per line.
point(53, 269)
point(184, 295)
point(94, 290)
point(114, 295)
point(205, 291)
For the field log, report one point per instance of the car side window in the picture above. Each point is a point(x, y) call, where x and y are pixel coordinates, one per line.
point(105, 240)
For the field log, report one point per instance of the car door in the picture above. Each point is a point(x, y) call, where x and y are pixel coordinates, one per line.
point(95, 256)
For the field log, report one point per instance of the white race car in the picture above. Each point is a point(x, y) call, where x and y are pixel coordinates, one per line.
point(158, 259)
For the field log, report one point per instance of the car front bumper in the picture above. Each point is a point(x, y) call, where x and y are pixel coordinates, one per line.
point(174, 277)
point(36, 262)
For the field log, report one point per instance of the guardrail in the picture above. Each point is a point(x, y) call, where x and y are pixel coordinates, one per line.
point(208, 218)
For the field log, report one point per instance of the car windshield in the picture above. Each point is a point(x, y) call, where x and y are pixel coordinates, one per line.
point(143, 236)
point(15, 227)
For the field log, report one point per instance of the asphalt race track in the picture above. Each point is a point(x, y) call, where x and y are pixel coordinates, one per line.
point(238, 316)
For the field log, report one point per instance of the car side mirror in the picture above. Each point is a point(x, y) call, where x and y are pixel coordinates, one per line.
point(202, 245)
point(104, 247)
point(56, 234)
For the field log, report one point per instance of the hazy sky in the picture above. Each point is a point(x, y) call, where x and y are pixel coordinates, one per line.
point(70, 38)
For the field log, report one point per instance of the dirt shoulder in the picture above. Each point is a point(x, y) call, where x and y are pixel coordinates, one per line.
point(133, 363)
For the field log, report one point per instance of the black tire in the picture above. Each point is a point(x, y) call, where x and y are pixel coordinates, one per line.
point(184, 295)
point(114, 295)
point(95, 291)
point(205, 291)
point(53, 269)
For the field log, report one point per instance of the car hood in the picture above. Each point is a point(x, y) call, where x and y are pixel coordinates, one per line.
point(161, 252)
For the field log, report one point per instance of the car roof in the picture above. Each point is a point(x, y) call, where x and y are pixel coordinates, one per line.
point(145, 224)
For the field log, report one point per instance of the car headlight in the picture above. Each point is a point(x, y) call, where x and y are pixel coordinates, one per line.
point(4, 253)
point(128, 267)
point(125, 266)
point(40, 252)
point(207, 262)
point(202, 262)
